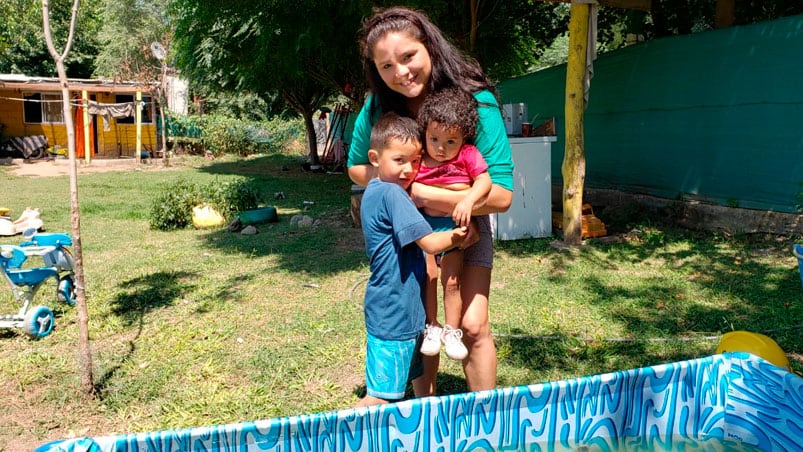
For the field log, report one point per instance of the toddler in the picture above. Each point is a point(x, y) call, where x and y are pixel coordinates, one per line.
point(449, 118)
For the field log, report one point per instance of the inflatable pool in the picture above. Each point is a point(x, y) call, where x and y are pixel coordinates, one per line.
point(732, 401)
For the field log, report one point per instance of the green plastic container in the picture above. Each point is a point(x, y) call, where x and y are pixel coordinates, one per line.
point(261, 215)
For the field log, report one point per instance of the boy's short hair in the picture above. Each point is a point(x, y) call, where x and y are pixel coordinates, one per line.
point(391, 126)
point(450, 107)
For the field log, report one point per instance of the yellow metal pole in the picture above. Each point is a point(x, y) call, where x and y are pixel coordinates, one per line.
point(574, 160)
point(87, 150)
point(138, 109)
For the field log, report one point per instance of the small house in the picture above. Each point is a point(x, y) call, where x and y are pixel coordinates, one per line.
point(32, 107)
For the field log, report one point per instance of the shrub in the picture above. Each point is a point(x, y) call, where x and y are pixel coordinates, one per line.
point(227, 135)
point(276, 134)
point(223, 135)
point(230, 197)
point(172, 208)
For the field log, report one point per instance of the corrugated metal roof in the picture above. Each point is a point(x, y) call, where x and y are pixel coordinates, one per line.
point(25, 82)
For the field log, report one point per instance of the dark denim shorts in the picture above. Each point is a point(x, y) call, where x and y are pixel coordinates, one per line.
point(481, 254)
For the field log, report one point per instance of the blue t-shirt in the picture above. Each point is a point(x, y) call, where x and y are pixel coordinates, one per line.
point(394, 296)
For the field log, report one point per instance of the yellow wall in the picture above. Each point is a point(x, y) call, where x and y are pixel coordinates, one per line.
point(119, 140)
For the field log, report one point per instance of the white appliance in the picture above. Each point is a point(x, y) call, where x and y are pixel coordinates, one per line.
point(530, 213)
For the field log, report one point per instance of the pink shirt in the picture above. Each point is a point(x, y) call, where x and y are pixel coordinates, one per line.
point(463, 169)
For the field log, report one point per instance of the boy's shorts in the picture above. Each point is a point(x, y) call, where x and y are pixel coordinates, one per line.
point(390, 365)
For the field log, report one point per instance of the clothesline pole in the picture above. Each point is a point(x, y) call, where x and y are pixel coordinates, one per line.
point(138, 108)
point(87, 149)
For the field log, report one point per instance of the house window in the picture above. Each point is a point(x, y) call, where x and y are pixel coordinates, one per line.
point(43, 108)
point(147, 110)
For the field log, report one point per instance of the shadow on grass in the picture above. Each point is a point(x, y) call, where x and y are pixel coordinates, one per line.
point(138, 297)
point(543, 356)
point(740, 285)
point(144, 294)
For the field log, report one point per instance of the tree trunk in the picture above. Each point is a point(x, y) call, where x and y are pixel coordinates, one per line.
point(474, 6)
point(726, 13)
point(84, 352)
point(162, 111)
point(312, 139)
point(574, 161)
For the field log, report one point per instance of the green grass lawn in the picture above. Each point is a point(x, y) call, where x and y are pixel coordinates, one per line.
point(199, 327)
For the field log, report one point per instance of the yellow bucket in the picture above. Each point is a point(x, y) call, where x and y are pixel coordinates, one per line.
point(204, 216)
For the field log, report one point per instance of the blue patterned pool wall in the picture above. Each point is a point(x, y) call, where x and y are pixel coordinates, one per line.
point(732, 397)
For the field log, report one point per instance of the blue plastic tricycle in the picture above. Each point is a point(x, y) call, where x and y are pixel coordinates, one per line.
point(37, 321)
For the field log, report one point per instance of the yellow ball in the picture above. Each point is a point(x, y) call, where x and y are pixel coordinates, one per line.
point(755, 343)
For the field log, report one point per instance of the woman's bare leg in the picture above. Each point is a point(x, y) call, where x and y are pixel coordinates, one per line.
point(480, 364)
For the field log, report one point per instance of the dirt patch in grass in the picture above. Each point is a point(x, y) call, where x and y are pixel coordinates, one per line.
point(61, 167)
point(30, 423)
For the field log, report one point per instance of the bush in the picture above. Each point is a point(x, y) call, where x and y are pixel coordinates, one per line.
point(225, 135)
point(276, 134)
point(172, 208)
point(232, 196)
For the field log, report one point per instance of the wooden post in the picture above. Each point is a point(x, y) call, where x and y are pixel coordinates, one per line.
point(138, 110)
point(87, 150)
point(725, 13)
point(574, 162)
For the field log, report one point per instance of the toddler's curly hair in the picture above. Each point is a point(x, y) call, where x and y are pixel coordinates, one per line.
point(450, 107)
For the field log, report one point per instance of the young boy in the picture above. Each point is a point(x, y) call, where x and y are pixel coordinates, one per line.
point(395, 235)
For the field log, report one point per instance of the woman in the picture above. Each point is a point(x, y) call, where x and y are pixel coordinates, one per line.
point(405, 56)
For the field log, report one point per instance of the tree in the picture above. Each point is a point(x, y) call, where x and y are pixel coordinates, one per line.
point(674, 17)
point(22, 44)
point(84, 353)
point(302, 52)
point(506, 37)
point(139, 23)
point(145, 25)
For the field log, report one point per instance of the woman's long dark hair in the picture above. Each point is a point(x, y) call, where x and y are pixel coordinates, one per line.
point(450, 67)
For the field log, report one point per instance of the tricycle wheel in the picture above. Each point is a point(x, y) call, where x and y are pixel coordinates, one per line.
point(39, 322)
point(66, 290)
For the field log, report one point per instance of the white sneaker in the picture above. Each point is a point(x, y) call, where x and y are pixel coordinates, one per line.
point(453, 339)
point(431, 345)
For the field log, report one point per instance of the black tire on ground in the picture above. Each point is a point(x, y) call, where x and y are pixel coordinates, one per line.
point(37, 153)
